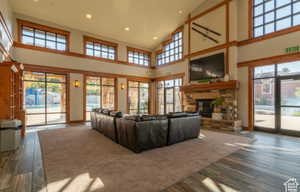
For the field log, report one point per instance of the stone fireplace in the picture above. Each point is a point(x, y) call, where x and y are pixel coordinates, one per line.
point(199, 98)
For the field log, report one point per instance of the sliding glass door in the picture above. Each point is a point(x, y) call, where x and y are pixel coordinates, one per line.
point(290, 104)
point(100, 93)
point(44, 98)
point(169, 96)
point(264, 97)
point(277, 98)
point(138, 97)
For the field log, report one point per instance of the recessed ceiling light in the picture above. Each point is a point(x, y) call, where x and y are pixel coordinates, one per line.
point(36, 0)
point(180, 11)
point(88, 16)
point(155, 38)
point(127, 29)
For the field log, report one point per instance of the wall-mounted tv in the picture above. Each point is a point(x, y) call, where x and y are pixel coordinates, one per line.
point(211, 67)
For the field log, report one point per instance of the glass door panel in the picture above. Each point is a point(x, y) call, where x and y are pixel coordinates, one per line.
point(144, 98)
point(56, 98)
point(108, 95)
point(290, 104)
point(169, 100)
point(264, 103)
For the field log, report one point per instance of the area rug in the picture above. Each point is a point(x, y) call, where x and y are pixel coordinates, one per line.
point(81, 159)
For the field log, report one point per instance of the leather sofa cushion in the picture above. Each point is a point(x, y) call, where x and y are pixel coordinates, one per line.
point(106, 111)
point(116, 114)
point(184, 128)
point(177, 114)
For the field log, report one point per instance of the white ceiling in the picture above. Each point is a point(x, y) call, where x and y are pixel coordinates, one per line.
point(146, 18)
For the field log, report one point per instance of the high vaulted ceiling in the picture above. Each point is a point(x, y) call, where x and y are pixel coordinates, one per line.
point(145, 18)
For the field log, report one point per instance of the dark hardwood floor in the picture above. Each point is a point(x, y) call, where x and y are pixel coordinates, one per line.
point(261, 166)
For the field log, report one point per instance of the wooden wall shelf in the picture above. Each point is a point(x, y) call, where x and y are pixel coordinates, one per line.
point(233, 84)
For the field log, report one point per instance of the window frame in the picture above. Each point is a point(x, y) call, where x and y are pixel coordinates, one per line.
point(164, 92)
point(22, 23)
point(66, 82)
point(167, 43)
point(275, 33)
point(101, 93)
point(101, 42)
point(140, 51)
point(139, 87)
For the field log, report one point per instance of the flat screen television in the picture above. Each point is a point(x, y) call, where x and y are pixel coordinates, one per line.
point(211, 67)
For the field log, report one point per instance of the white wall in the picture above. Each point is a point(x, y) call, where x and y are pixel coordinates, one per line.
point(76, 97)
point(122, 95)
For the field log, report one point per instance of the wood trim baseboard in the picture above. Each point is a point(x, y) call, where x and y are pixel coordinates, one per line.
point(32, 67)
point(269, 36)
point(169, 77)
point(77, 121)
point(271, 60)
point(73, 54)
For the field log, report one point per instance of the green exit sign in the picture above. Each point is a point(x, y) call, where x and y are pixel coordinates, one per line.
point(292, 49)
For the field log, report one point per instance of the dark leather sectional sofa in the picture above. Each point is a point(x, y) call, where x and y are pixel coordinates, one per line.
point(139, 133)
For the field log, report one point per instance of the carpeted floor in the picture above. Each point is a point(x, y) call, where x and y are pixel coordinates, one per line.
point(81, 159)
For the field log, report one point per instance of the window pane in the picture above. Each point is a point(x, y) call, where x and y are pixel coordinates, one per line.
point(93, 97)
point(61, 47)
point(89, 52)
point(264, 71)
point(40, 34)
point(51, 36)
point(256, 2)
point(40, 42)
point(258, 21)
point(27, 40)
point(160, 102)
point(34, 101)
point(291, 68)
point(283, 12)
point(296, 20)
point(283, 24)
point(51, 44)
point(296, 7)
point(290, 92)
point(108, 81)
point(269, 17)
point(177, 98)
point(54, 78)
point(133, 98)
point(34, 76)
point(56, 97)
point(258, 10)
point(61, 39)
point(280, 3)
point(258, 31)
point(270, 5)
point(28, 31)
point(269, 28)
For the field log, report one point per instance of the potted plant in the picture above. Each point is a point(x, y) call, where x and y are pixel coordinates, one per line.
point(217, 103)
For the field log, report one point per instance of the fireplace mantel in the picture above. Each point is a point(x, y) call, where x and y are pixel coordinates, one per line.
point(233, 84)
